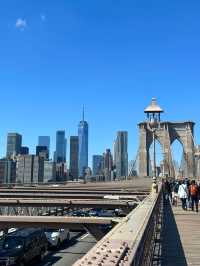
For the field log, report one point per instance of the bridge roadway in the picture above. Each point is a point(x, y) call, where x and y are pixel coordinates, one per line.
point(128, 241)
point(152, 234)
point(79, 245)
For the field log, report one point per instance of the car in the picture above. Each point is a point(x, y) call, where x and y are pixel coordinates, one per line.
point(119, 213)
point(22, 246)
point(56, 237)
point(101, 213)
point(94, 212)
point(80, 213)
point(11, 230)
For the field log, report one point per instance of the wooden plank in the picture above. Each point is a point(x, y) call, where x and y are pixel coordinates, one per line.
point(188, 225)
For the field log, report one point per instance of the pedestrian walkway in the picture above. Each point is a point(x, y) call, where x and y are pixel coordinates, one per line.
point(188, 224)
point(180, 237)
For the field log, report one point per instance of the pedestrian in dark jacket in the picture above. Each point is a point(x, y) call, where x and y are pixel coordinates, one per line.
point(168, 189)
point(194, 195)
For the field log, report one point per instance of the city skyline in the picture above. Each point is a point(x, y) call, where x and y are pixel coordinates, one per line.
point(99, 132)
point(113, 57)
point(177, 150)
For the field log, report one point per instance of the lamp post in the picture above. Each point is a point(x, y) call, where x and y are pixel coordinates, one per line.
point(153, 112)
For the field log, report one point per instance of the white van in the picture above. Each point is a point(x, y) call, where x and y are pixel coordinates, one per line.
point(56, 237)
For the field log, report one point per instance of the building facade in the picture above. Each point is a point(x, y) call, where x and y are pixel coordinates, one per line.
point(61, 147)
point(74, 146)
point(24, 150)
point(44, 141)
point(49, 171)
point(38, 169)
point(30, 169)
point(121, 154)
point(97, 164)
point(14, 143)
point(61, 172)
point(42, 151)
point(7, 171)
point(107, 164)
point(83, 147)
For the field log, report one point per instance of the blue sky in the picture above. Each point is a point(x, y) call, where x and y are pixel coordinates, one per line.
point(111, 56)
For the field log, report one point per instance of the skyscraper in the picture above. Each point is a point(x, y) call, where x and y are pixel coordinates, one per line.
point(61, 146)
point(107, 164)
point(24, 150)
point(30, 169)
point(74, 156)
point(49, 171)
point(44, 141)
point(7, 171)
point(83, 146)
point(97, 164)
point(121, 153)
point(42, 151)
point(14, 143)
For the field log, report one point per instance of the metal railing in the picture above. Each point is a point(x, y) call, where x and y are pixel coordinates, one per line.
point(143, 251)
point(132, 241)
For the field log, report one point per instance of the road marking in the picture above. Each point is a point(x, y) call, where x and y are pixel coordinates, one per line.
point(83, 237)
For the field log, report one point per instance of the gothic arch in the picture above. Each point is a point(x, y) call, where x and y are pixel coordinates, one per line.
point(166, 134)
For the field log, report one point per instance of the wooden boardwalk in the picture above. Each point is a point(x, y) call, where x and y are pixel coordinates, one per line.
point(180, 237)
point(188, 224)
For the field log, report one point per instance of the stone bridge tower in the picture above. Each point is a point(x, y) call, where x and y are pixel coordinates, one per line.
point(166, 134)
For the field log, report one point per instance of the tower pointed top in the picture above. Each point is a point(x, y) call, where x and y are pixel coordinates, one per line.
point(153, 107)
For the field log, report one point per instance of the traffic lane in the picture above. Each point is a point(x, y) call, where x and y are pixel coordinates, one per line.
point(70, 252)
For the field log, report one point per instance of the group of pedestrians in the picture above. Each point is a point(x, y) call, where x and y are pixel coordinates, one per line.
point(187, 191)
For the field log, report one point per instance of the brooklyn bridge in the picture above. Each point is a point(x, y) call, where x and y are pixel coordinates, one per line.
point(143, 227)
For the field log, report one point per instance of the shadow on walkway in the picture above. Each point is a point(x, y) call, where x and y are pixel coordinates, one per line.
point(172, 253)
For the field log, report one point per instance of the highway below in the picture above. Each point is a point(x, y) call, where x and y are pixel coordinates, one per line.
point(70, 252)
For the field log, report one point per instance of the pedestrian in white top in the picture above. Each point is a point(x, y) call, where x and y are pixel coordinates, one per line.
point(183, 194)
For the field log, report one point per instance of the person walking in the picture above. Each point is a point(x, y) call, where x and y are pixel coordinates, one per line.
point(175, 193)
point(183, 194)
point(168, 190)
point(194, 195)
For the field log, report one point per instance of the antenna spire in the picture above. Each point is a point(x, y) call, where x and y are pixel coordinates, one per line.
point(83, 113)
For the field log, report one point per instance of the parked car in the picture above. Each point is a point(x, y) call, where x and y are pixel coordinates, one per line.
point(22, 246)
point(56, 237)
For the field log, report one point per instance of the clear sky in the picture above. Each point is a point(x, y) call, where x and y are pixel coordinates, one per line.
point(111, 56)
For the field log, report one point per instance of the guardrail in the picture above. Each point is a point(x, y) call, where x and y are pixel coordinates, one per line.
point(143, 249)
point(132, 241)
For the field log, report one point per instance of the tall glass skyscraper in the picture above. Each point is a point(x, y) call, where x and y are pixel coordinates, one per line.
point(121, 153)
point(61, 146)
point(74, 157)
point(97, 164)
point(14, 143)
point(44, 141)
point(83, 146)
